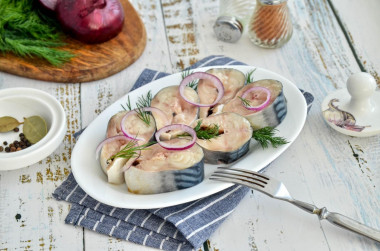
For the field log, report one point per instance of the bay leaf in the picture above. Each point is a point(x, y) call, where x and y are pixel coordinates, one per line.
point(8, 123)
point(34, 128)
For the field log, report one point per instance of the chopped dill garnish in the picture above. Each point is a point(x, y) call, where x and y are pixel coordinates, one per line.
point(244, 101)
point(130, 150)
point(193, 84)
point(128, 104)
point(145, 101)
point(144, 116)
point(208, 133)
point(142, 102)
point(249, 76)
point(265, 136)
point(27, 32)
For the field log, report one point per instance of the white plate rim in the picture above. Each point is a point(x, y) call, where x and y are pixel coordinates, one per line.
point(83, 156)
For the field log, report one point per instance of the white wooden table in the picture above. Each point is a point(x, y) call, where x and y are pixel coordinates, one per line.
point(332, 39)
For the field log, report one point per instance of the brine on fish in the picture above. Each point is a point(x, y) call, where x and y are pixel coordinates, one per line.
point(158, 170)
point(272, 115)
point(235, 133)
point(232, 81)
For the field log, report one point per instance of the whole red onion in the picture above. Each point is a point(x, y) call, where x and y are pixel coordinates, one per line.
point(91, 21)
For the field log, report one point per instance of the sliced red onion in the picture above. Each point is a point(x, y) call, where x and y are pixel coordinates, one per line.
point(145, 109)
point(181, 127)
point(261, 106)
point(108, 140)
point(202, 75)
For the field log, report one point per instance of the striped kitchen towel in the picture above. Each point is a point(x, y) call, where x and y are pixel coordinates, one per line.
point(180, 227)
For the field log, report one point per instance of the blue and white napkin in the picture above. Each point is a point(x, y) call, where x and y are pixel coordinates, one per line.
point(181, 227)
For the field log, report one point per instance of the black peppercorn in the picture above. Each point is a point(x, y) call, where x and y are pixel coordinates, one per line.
point(1, 148)
point(5, 143)
point(16, 129)
point(7, 149)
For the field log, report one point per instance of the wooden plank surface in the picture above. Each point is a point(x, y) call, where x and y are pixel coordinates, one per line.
point(91, 61)
point(360, 21)
point(321, 167)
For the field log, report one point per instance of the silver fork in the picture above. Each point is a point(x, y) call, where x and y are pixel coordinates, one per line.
point(276, 189)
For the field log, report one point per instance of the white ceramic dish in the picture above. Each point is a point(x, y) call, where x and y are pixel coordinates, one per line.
point(92, 180)
point(26, 102)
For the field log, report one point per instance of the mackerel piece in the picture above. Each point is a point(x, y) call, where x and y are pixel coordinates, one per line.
point(135, 126)
point(175, 107)
point(158, 170)
point(272, 115)
point(235, 133)
point(233, 80)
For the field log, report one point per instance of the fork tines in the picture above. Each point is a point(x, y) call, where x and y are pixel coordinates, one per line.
point(240, 176)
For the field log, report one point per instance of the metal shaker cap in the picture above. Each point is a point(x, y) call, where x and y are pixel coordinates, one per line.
point(228, 29)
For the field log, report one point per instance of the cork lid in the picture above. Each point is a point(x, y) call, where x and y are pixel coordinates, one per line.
point(228, 29)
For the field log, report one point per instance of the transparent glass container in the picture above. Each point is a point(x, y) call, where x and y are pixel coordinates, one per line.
point(270, 25)
point(233, 17)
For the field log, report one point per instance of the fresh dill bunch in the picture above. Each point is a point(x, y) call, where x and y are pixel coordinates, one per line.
point(249, 76)
point(193, 84)
point(265, 136)
point(131, 150)
point(25, 31)
point(244, 101)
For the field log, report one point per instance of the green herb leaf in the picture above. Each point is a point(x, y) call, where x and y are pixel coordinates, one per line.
point(34, 129)
point(144, 101)
point(265, 136)
point(8, 123)
point(208, 133)
point(27, 32)
point(249, 76)
point(193, 84)
point(244, 101)
point(131, 150)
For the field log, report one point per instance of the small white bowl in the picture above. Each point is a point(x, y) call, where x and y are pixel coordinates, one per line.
point(26, 102)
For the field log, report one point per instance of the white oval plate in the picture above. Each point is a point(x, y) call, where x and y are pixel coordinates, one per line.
point(26, 102)
point(93, 181)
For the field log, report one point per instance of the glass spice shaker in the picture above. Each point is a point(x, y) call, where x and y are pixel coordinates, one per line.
point(233, 16)
point(270, 25)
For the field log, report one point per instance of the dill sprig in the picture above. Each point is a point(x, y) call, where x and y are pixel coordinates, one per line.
point(130, 150)
point(202, 132)
point(249, 76)
point(193, 84)
point(25, 31)
point(265, 136)
point(145, 101)
point(244, 101)
point(208, 133)
point(142, 102)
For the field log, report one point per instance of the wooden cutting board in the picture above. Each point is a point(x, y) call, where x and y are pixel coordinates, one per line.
point(92, 62)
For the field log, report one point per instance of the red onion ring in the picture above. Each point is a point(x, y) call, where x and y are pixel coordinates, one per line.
point(181, 127)
point(202, 75)
point(108, 140)
point(261, 106)
point(145, 109)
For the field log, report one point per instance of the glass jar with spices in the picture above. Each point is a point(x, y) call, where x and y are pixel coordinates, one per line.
point(270, 25)
point(233, 17)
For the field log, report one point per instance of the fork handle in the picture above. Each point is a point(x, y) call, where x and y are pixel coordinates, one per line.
point(349, 224)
